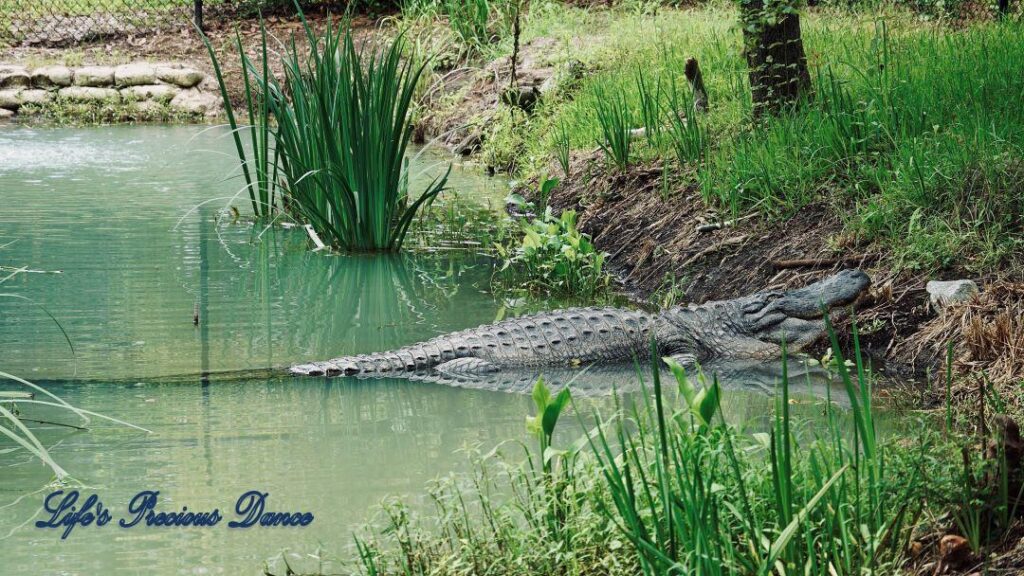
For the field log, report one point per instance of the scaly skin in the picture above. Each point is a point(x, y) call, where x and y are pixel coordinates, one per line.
point(752, 327)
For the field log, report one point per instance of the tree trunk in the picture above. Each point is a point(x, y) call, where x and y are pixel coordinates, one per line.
point(775, 56)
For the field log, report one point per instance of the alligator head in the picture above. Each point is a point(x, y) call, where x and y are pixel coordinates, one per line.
point(797, 317)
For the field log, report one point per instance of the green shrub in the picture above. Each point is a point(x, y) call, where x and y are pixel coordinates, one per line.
point(554, 257)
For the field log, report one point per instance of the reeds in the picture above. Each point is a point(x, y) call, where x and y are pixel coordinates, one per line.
point(614, 116)
point(696, 497)
point(335, 131)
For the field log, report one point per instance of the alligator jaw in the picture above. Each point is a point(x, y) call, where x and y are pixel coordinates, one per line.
point(796, 317)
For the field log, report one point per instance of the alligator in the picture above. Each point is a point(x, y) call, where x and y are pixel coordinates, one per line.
point(753, 327)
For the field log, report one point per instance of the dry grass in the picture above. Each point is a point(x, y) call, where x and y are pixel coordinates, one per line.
point(988, 337)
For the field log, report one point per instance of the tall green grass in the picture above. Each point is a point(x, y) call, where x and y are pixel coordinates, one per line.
point(338, 127)
point(614, 115)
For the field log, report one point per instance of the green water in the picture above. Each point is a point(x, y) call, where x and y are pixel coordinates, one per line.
point(107, 220)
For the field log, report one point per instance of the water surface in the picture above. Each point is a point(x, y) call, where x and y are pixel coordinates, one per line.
point(125, 249)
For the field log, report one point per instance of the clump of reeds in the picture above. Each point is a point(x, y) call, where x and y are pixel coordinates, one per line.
point(330, 139)
point(614, 115)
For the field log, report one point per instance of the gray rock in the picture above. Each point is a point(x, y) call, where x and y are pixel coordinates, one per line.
point(5, 113)
point(13, 77)
point(10, 98)
point(94, 76)
point(89, 94)
point(134, 75)
point(179, 75)
point(52, 77)
point(196, 102)
point(36, 96)
point(159, 92)
point(942, 293)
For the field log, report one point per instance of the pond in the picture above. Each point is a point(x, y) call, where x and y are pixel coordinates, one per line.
point(125, 249)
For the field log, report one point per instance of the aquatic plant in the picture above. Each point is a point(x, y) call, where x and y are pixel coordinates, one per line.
point(342, 130)
point(553, 257)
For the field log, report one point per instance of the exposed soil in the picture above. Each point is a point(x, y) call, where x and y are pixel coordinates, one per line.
point(661, 243)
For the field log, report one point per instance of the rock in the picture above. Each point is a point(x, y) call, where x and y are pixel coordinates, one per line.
point(179, 75)
point(196, 102)
point(159, 92)
point(89, 94)
point(52, 77)
point(943, 293)
point(36, 96)
point(10, 99)
point(14, 77)
point(5, 113)
point(134, 75)
point(94, 76)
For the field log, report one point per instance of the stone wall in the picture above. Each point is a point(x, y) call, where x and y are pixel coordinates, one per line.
point(145, 86)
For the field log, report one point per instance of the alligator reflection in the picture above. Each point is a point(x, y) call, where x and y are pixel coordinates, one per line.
point(805, 377)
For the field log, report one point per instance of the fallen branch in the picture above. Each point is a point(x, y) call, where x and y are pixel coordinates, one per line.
point(815, 262)
point(705, 228)
point(715, 248)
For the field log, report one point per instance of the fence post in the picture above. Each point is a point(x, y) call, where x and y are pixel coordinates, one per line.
point(197, 16)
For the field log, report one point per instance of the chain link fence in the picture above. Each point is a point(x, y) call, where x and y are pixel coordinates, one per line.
point(61, 23)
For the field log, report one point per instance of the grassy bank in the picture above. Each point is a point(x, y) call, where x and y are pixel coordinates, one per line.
point(914, 134)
